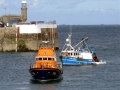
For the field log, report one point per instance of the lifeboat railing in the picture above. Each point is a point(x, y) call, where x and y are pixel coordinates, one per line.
point(44, 65)
point(40, 66)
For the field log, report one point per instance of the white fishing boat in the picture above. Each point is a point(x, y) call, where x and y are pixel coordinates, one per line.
point(80, 54)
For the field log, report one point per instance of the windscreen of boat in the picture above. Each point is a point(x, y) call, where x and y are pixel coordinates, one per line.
point(38, 58)
point(50, 58)
point(44, 58)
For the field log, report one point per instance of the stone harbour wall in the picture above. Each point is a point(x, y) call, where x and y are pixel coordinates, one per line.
point(26, 42)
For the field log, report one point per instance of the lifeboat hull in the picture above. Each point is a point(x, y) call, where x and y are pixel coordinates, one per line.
point(46, 74)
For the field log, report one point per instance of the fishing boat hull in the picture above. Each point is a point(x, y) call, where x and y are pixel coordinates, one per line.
point(46, 74)
point(66, 60)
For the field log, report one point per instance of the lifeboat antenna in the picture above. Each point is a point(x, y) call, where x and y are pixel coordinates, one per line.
point(53, 37)
point(5, 9)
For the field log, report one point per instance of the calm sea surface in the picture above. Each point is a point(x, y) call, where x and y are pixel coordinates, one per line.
point(14, 67)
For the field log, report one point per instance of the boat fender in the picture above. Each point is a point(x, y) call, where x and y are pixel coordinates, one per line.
point(66, 53)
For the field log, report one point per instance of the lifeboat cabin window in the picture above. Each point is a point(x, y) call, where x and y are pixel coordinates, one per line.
point(44, 58)
point(40, 58)
point(49, 58)
point(37, 58)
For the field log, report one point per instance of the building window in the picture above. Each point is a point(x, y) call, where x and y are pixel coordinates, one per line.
point(24, 5)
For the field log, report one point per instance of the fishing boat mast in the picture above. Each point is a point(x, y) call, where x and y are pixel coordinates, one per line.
point(68, 41)
point(80, 42)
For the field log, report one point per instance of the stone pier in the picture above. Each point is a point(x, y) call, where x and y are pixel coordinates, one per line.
point(26, 42)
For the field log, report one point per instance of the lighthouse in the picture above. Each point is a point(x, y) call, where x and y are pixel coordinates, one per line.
point(24, 10)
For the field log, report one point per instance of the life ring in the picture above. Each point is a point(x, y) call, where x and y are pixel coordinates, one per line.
point(66, 53)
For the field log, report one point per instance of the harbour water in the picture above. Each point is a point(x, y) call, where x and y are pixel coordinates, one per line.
point(14, 66)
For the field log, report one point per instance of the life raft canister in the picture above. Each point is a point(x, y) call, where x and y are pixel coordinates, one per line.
point(66, 53)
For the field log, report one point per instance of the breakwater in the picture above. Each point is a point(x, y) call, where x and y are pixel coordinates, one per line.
point(26, 42)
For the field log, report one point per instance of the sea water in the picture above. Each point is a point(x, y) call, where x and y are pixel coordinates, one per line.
point(14, 66)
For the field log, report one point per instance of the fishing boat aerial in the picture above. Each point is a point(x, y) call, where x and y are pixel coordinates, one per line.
point(46, 66)
point(80, 54)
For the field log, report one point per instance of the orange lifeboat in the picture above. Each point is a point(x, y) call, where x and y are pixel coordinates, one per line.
point(46, 66)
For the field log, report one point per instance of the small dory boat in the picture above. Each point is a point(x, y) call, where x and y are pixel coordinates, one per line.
point(80, 54)
point(46, 66)
point(98, 63)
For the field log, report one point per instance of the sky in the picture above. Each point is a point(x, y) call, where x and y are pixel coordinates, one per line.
point(77, 12)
